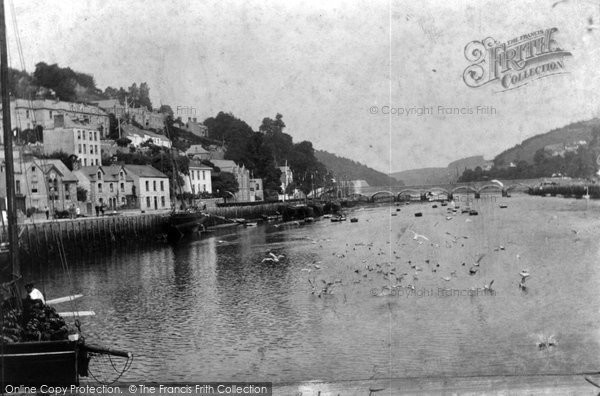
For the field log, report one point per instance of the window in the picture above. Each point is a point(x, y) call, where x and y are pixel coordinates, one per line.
point(204, 187)
point(123, 187)
point(91, 134)
point(147, 185)
point(95, 135)
point(100, 187)
point(78, 135)
point(162, 201)
point(34, 187)
point(26, 113)
point(203, 175)
point(154, 185)
point(147, 202)
point(67, 192)
point(33, 169)
point(18, 186)
point(111, 187)
point(84, 149)
point(193, 175)
point(79, 149)
point(193, 189)
point(50, 114)
point(162, 186)
point(85, 162)
point(121, 174)
point(99, 175)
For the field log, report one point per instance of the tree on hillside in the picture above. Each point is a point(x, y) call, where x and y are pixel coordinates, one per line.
point(67, 84)
point(20, 84)
point(166, 109)
point(308, 172)
point(31, 135)
point(144, 97)
point(224, 185)
point(279, 143)
point(248, 148)
point(272, 126)
point(68, 159)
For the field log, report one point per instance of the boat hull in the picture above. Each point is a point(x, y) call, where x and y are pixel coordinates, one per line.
point(185, 223)
point(43, 363)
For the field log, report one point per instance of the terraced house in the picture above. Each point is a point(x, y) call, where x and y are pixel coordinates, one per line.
point(106, 185)
point(150, 187)
point(28, 114)
point(76, 137)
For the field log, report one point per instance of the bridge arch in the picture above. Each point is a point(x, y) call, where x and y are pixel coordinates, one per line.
point(467, 188)
point(389, 194)
point(489, 187)
point(407, 193)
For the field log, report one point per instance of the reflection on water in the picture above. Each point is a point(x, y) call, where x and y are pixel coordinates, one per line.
point(211, 310)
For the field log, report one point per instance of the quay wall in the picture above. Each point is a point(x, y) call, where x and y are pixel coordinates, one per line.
point(47, 239)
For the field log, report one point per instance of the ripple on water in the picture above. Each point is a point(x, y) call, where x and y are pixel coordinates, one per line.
point(210, 309)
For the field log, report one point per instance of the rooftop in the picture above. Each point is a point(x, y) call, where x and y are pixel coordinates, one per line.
point(196, 149)
point(224, 164)
point(133, 130)
point(144, 171)
point(47, 164)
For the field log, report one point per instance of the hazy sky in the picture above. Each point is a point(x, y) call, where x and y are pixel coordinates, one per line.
point(323, 66)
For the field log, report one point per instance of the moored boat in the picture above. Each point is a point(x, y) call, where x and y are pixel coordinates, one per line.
point(38, 348)
point(185, 222)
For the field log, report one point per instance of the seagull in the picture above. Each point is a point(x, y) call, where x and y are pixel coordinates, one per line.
point(417, 236)
point(524, 275)
point(481, 256)
point(312, 285)
point(488, 286)
point(273, 259)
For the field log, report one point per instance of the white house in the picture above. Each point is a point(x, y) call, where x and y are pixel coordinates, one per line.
point(199, 179)
point(139, 136)
point(150, 187)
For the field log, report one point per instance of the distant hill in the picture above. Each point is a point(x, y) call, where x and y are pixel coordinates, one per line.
point(354, 170)
point(526, 149)
point(414, 177)
point(468, 163)
point(450, 174)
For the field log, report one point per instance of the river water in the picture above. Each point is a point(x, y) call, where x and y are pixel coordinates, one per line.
point(210, 309)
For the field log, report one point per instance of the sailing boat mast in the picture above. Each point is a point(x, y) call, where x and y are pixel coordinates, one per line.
point(8, 152)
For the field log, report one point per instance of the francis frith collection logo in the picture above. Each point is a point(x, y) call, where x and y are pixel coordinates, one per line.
point(516, 62)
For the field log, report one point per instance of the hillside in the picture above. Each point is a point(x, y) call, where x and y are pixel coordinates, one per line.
point(468, 163)
point(354, 170)
point(526, 150)
point(414, 177)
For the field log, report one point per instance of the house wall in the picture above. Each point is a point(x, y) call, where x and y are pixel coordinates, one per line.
point(199, 180)
point(149, 188)
point(83, 142)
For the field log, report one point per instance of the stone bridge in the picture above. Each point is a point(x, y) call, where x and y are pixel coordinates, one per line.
point(476, 188)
